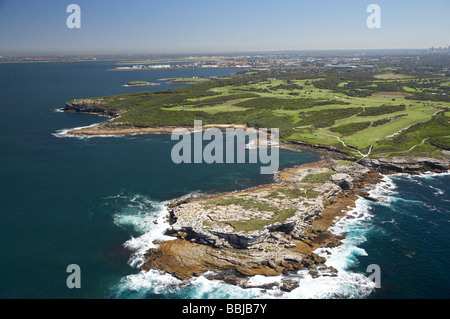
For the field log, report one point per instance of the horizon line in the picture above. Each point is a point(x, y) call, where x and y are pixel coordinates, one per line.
point(9, 55)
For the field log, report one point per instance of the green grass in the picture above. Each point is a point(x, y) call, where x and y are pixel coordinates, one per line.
point(303, 192)
point(391, 76)
point(350, 128)
point(344, 162)
point(243, 202)
point(259, 224)
point(369, 136)
point(317, 178)
point(189, 80)
point(278, 215)
point(409, 89)
point(293, 103)
point(425, 138)
point(141, 83)
point(224, 107)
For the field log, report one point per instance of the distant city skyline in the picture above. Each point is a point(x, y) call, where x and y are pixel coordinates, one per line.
point(173, 26)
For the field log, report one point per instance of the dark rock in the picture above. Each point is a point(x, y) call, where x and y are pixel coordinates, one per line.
point(289, 285)
point(344, 181)
point(407, 164)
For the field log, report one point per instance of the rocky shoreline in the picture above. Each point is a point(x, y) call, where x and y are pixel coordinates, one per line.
point(109, 128)
point(213, 231)
point(141, 83)
point(211, 237)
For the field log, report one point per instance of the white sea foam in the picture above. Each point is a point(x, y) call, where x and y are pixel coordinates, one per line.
point(386, 193)
point(438, 191)
point(64, 132)
point(384, 189)
point(433, 174)
point(252, 144)
point(347, 284)
point(147, 218)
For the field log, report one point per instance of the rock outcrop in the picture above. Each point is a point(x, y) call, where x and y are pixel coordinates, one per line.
point(97, 106)
point(245, 219)
point(407, 164)
point(272, 229)
point(268, 230)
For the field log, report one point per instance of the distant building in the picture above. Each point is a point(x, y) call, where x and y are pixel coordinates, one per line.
point(341, 66)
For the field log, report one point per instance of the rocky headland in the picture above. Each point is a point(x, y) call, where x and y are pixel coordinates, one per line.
point(94, 106)
point(272, 229)
point(268, 230)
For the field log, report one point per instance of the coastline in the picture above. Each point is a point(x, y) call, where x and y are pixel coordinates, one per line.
point(185, 258)
point(193, 252)
point(105, 129)
point(279, 253)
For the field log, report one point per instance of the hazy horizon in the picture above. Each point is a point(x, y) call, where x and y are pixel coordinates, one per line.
point(218, 53)
point(36, 28)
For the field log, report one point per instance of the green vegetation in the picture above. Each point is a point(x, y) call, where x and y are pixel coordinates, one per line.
point(420, 138)
point(317, 178)
point(381, 122)
point(344, 162)
point(305, 192)
point(259, 224)
point(351, 128)
point(139, 83)
point(273, 103)
point(327, 117)
point(244, 203)
point(383, 109)
point(386, 113)
point(390, 76)
point(187, 80)
point(278, 215)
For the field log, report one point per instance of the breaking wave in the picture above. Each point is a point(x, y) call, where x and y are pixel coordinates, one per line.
point(64, 132)
point(147, 218)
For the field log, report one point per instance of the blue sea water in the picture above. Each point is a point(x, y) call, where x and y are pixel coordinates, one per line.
point(94, 202)
point(408, 236)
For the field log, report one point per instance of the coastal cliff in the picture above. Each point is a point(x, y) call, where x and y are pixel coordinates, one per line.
point(95, 106)
point(407, 164)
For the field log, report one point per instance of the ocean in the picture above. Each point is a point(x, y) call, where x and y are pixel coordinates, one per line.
point(99, 203)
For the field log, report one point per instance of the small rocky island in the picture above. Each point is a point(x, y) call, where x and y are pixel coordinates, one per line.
point(140, 83)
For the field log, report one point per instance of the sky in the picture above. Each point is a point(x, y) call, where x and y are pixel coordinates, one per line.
point(38, 27)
